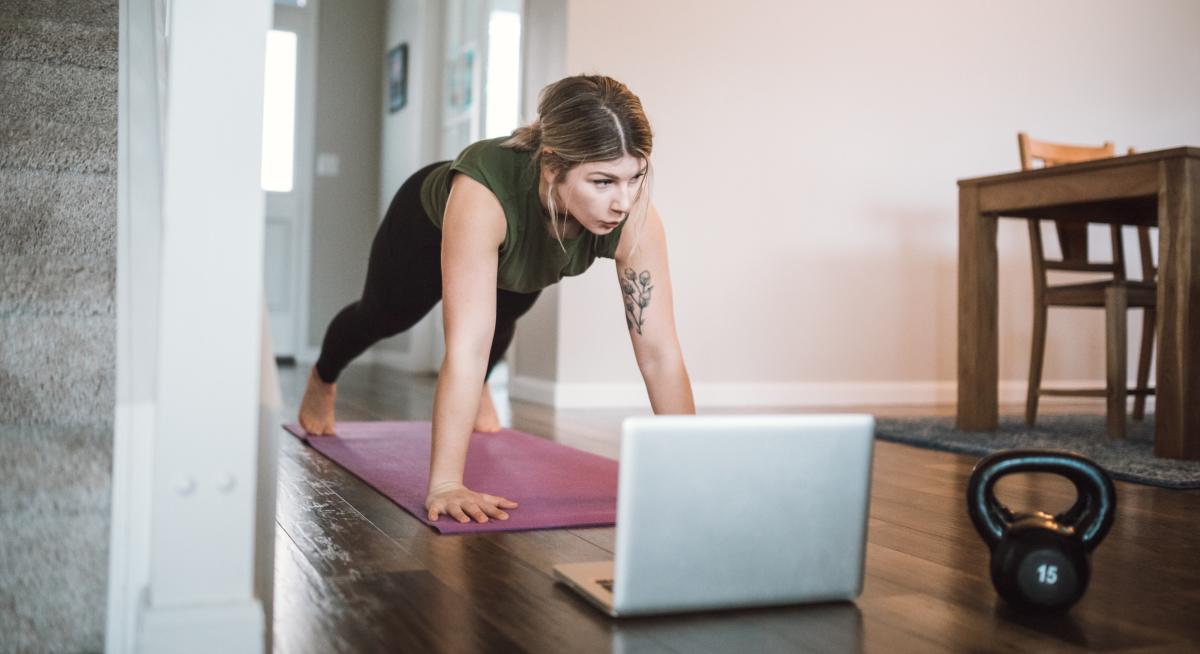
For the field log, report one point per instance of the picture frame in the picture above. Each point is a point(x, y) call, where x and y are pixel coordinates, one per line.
point(397, 78)
point(460, 81)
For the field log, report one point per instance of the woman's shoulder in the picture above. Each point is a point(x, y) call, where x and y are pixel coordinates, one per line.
point(503, 170)
point(490, 151)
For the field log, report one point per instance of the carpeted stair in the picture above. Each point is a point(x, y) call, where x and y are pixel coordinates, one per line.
point(58, 222)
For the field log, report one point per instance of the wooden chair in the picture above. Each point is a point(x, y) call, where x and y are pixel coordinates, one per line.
point(1115, 295)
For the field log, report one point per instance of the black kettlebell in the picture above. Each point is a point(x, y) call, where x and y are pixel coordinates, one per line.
point(1040, 561)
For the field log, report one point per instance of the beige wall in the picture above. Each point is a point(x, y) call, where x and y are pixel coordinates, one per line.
point(807, 154)
point(345, 208)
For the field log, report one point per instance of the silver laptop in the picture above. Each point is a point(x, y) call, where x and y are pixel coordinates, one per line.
point(718, 512)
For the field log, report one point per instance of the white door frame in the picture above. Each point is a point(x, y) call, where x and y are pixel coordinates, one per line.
point(302, 20)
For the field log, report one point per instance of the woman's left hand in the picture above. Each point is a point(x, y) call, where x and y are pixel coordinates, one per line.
point(464, 504)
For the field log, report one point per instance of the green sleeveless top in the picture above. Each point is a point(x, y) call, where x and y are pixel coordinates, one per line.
point(530, 257)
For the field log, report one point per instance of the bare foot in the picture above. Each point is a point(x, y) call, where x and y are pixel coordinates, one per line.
point(487, 420)
point(316, 409)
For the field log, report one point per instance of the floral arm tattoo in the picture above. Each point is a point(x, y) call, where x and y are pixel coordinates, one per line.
point(636, 288)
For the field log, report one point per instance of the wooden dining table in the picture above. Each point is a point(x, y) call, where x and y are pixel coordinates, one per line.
point(1160, 188)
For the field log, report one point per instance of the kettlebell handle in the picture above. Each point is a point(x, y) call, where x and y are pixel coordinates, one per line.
point(1091, 515)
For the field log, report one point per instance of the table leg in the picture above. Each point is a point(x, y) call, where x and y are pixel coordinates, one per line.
point(978, 354)
point(1177, 401)
point(1116, 308)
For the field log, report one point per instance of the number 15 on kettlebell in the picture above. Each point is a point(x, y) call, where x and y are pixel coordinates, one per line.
point(1040, 562)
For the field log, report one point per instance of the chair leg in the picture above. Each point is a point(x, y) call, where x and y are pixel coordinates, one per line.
point(1037, 356)
point(1116, 304)
point(1144, 355)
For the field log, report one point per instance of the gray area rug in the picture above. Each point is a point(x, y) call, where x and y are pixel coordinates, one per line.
point(58, 263)
point(1129, 460)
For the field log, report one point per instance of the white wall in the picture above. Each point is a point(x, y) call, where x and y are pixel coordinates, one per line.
point(408, 144)
point(807, 154)
point(410, 141)
point(544, 52)
point(350, 61)
point(353, 58)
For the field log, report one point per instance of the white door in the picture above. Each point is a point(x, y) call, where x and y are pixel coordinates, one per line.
point(287, 174)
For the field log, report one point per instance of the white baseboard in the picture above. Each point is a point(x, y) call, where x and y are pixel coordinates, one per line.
point(532, 389)
point(403, 361)
point(782, 394)
point(227, 628)
point(308, 356)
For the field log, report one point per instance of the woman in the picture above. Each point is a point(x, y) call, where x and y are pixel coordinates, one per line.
point(524, 212)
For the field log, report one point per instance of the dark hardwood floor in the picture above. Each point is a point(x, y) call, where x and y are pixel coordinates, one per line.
point(355, 573)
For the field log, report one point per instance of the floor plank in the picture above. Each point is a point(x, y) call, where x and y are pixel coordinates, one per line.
point(356, 573)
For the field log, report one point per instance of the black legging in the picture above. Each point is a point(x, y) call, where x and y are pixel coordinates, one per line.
point(404, 281)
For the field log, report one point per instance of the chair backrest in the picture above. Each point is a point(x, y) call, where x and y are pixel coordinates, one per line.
point(1055, 154)
point(1072, 236)
point(1149, 269)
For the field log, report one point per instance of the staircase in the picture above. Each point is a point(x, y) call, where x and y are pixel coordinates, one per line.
point(58, 222)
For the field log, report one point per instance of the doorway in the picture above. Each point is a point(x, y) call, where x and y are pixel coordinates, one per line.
point(482, 84)
point(287, 174)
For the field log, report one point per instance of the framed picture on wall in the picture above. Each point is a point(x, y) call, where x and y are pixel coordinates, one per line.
point(397, 77)
point(460, 81)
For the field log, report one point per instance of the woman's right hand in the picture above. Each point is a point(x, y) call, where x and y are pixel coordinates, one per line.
point(464, 504)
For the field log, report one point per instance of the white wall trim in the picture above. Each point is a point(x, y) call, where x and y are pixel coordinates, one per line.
point(140, 53)
point(308, 355)
point(270, 416)
point(532, 389)
point(129, 542)
point(232, 627)
point(781, 394)
point(403, 361)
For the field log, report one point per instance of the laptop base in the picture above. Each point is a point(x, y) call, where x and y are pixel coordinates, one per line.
point(586, 579)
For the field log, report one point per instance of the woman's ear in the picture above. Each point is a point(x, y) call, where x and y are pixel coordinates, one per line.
point(547, 174)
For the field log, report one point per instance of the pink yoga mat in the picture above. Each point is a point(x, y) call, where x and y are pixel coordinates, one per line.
point(557, 486)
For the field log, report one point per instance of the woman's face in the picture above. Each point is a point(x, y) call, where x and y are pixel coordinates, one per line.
point(600, 194)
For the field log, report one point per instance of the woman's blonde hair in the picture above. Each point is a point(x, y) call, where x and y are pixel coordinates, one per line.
point(582, 119)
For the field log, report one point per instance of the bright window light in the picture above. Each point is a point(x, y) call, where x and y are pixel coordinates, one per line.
point(503, 73)
point(279, 112)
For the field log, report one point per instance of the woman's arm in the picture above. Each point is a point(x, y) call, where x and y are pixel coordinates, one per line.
point(645, 280)
point(472, 231)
